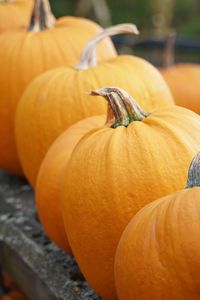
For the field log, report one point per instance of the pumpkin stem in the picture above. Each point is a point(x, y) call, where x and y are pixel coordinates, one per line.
point(88, 56)
point(42, 17)
point(123, 108)
point(194, 172)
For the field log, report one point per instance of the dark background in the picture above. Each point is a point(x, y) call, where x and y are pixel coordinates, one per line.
point(185, 13)
point(156, 20)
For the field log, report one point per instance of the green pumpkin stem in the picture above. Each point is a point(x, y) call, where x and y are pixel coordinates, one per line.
point(194, 172)
point(88, 57)
point(42, 17)
point(122, 107)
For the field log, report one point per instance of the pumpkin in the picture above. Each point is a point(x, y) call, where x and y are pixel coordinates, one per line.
point(12, 291)
point(48, 187)
point(115, 170)
point(58, 98)
point(184, 82)
point(13, 295)
point(14, 14)
point(158, 256)
point(24, 55)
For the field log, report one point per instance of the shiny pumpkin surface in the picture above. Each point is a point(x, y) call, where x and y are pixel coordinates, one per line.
point(15, 15)
point(184, 82)
point(112, 174)
point(158, 256)
point(25, 55)
point(59, 98)
point(49, 181)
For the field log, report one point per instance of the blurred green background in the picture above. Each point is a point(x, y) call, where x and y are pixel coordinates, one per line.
point(184, 15)
point(156, 20)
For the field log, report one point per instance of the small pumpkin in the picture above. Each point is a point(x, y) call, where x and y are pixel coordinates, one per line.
point(48, 187)
point(57, 99)
point(115, 170)
point(158, 256)
point(24, 55)
point(184, 82)
point(14, 14)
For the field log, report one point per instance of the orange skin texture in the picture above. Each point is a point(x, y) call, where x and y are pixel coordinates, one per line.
point(184, 82)
point(23, 56)
point(58, 99)
point(158, 256)
point(112, 174)
point(48, 187)
point(15, 15)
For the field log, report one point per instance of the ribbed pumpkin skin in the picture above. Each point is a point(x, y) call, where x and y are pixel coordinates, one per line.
point(48, 187)
point(59, 98)
point(184, 82)
point(23, 56)
point(158, 256)
point(112, 174)
point(15, 15)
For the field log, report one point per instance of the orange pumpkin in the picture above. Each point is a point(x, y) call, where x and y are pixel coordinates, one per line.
point(184, 82)
point(13, 291)
point(24, 55)
point(57, 99)
point(14, 14)
point(48, 187)
point(13, 295)
point(158, 256)
point(114, 171)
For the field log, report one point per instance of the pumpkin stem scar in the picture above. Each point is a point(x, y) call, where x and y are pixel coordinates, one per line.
point(194, 172)
point(42, 17)
point(88, 57)
point(123, 109)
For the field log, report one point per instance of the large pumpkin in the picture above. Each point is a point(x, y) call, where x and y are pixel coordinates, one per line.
point(158, 256)
point(48, 187)
point(114, 171)
point(24, 55)
point(184, 82)
point(14, 14)
point(59, 98)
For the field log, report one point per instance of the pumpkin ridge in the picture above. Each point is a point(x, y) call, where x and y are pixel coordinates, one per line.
point(164, 124)
point(173, 214)
point(55, 40)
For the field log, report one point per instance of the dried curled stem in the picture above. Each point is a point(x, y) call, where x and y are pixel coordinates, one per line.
point(88, 57)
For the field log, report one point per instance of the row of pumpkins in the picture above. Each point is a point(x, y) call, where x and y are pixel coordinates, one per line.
point(98, 137)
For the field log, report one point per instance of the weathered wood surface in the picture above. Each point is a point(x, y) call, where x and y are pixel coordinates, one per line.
point(40, 269)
